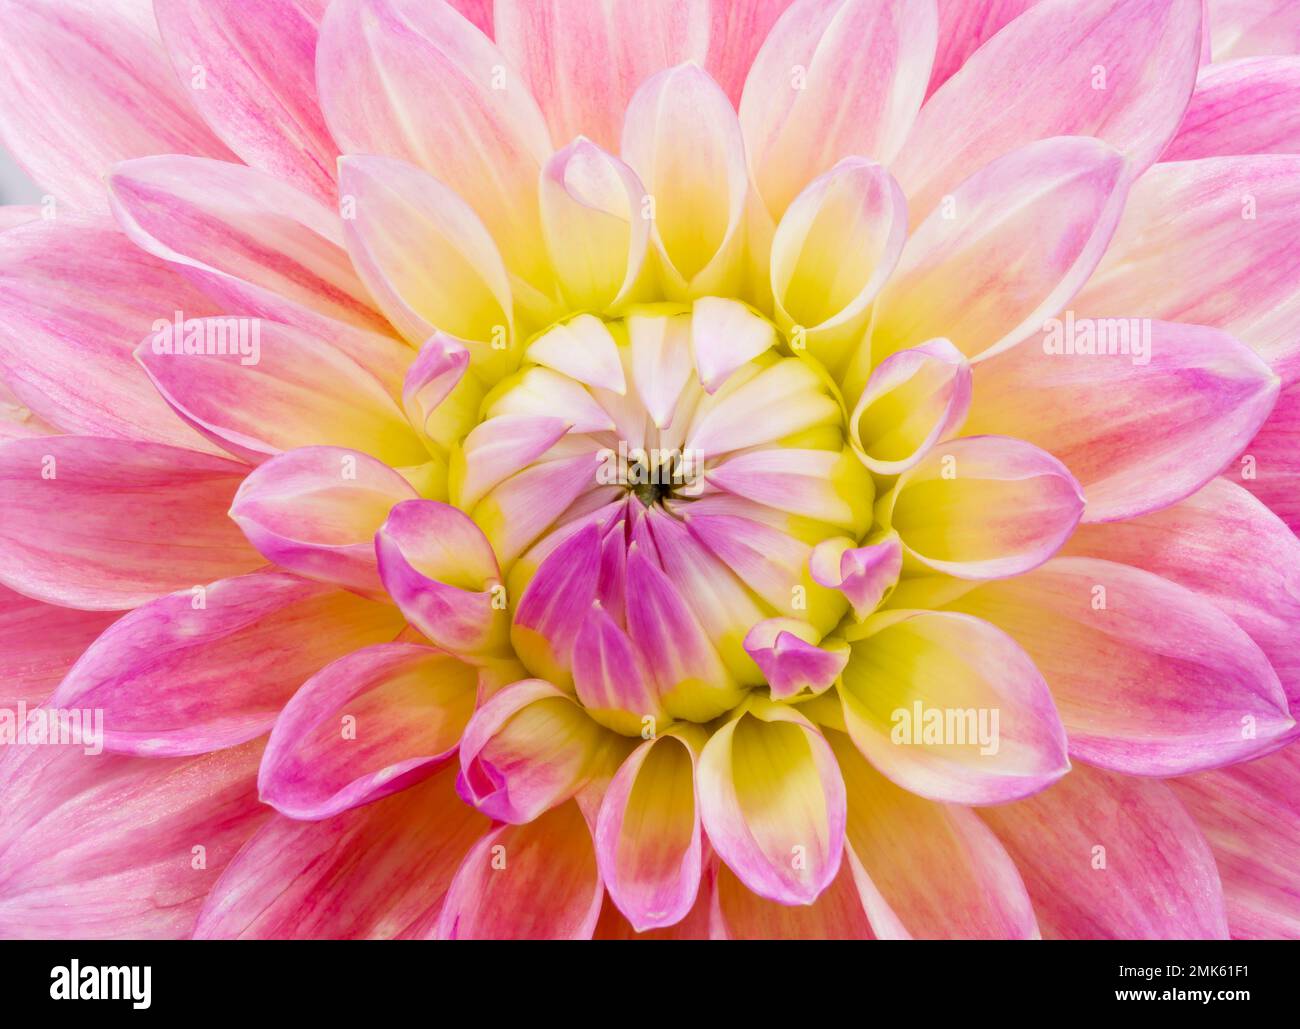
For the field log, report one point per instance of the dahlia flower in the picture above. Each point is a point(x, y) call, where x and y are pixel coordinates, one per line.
point(692, 468)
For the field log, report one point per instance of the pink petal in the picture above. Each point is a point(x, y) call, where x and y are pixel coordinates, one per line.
point(258, 67)
point(738, 31)
point(648, 839)
point(866, 575)
point(1245, 28)
point(1211, 242)
point(1057, 199)
point(896, 840)
point(439, 399)
point(1196, 694)
point(377, 871)
point(792, 661)
point(526, 750)
point(984, 507)
point(367, 725)
point(315, 511)
point(414, 80)
point(253, 243)
point(609, 679)
point(84, 85)
point(75, 298)
point(1038, 78)
point(835, 78)
point(772, 801)
point(1138, 431)
point(38, 644)
point(1226, 546)
point(556, 604)
point(1251, 106)
point(951, 708)
point(726, 334)
point(583, 59)
point(76, 533)
point(1249, 816)
point(837, 914)
point(1270, 465)
point(263, 388)
point(497, 448)
point(527, 882)
point(1112, 857)
point(965, 26)
point(151, 838)
point(441, 571)
point(200, 670)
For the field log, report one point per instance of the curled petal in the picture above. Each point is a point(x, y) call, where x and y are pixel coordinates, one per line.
point(365, 726)
point(949, 707)
point(648, 838)
point(499, 447)
point(440, 570)
point(788, 652)
point(526, 750)
point(772, 801)
point(833, 250)
point(440, 400)
point(596, 226)
point(913, 399)
point(315, 511)
point(682, 138)
point(866, 575)
point(984, 507)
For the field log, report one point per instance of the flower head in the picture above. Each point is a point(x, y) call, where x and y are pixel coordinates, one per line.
point(780, 468)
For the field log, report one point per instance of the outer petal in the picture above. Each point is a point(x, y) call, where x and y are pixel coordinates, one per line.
point(415, 80)
point(1195, 694)
point(950, 708)
point(378, 871)
point(76, 533)
point(965, 26)
point(75, 299)
point(1270, 465)
point(1244, 28)
point(1251, 106)
point(896, 840)
point(1225, 545)
point(315, 511)
point(983, 507)
point(835, 78)
point(427, 258)
point(281, 387)
point(583, 59)
point(837, 914)
point(682, 138)
point(1211, 242)
point(151, 837)
point(1113, 857)
point(1055, 202)
point(85, 84)
point(253, 243)
point(257, 67)
point(772, 801)
point(648, 839)
point(38, 644)
point(526, 750)
point(1138, 431)
point(367, 725)
point(196, 672)
point(533, 881)
point(440, 570)
point(1251, 819)
point(1121, 70)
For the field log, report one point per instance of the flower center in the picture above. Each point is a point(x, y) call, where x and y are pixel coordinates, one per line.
point(655, 487)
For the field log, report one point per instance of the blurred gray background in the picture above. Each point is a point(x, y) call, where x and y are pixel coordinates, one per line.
point(15, 187)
